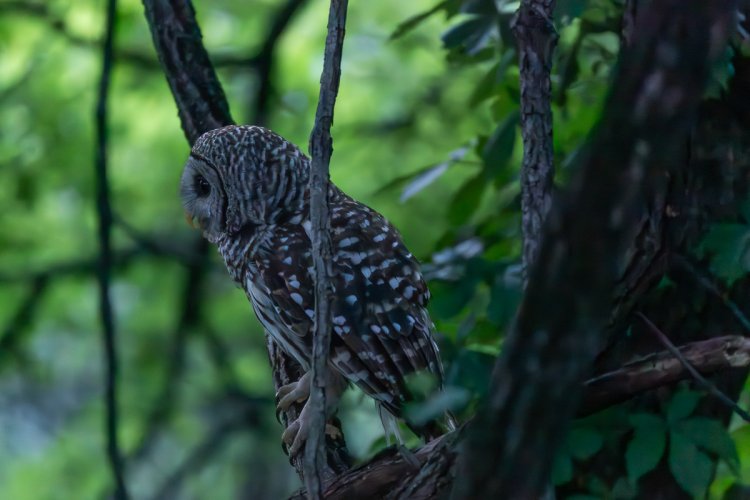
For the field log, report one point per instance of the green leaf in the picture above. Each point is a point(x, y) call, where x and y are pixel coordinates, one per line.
point(691, 468)
point(728, 247)
point(488, 86)
point(414, 21)
point(499, 147)
point(471, 35)
point(562, 468)
point(645, 450)
point(711, 435)
point(584, 442)
point(645, 420)
point(466, 201)
point(569, 8)
point(623, 489)
point(504, 300)
point(682, 405)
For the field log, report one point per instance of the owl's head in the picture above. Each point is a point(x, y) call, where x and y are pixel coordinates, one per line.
point(241, 177)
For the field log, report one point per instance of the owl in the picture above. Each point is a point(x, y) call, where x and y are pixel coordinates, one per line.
point(247, 189)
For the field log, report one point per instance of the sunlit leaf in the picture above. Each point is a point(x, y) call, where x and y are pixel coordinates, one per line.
point(414, 21)
point(471, 35)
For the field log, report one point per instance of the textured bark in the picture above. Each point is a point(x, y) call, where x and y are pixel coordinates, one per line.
point(202, 106)
point(537, 39)
point(536, 385)
point(660, 369)
point(321, 149)
point(200, 99)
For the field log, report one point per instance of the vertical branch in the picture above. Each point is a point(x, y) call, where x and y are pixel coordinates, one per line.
point(537, 39)
point(104, 211)
point(321, 148)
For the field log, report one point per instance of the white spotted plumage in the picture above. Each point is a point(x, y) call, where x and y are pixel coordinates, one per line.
point(381, 329)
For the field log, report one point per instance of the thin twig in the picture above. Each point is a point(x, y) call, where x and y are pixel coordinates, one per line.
point(711, 388)
point(321, 148)
point(22, 319)
point(105, 262)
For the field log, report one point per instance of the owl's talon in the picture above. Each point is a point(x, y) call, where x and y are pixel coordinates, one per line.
point(296, 392)
point(297, 433)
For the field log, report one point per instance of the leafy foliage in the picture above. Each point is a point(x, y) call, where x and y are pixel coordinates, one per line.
point(427, 131)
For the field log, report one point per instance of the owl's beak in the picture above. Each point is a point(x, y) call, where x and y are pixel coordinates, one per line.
point(190, 221)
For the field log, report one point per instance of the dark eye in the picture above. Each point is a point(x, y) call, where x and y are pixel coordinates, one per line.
point(202, 187)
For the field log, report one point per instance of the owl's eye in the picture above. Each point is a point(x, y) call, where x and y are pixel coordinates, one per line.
point(202, 187)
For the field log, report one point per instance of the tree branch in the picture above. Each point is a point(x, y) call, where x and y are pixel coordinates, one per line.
point(663, 368)
point(201, 102)
point(711, 388)
point(536, 384)
point(104, 212)
point(537, 39)
point(264, 59)
point(321, 148)
point(23, 317)
point(389, 475)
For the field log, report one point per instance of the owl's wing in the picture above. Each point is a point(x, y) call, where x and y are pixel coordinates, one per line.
point(379, 307)
point(381, 329)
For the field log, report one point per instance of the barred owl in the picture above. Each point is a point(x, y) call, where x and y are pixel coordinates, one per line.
point(247, 189)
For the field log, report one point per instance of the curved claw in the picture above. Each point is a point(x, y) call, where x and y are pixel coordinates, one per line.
point(296, 392)
point(296, 434)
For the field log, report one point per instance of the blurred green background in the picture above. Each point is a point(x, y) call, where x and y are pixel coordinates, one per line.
point(426, 132)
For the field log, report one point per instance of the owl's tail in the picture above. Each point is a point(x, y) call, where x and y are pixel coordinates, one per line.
point(437, 428)
point(428, 432)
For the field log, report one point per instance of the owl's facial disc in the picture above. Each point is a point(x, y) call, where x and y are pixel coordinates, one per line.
point(203, 198)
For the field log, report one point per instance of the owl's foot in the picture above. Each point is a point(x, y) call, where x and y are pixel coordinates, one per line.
point(296, 392)
point(295, 436)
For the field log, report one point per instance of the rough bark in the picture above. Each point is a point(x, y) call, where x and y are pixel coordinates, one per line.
point(321, 149)
point(200, 99)
point(536, 385)
point(660, 369)
point(537, 39)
